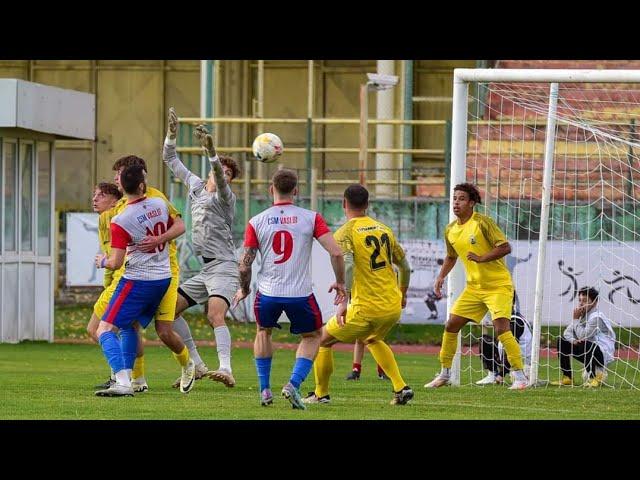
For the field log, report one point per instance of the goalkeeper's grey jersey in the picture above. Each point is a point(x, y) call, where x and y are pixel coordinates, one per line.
point(212, 213)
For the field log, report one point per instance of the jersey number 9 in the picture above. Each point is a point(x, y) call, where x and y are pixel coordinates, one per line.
point(282, 245)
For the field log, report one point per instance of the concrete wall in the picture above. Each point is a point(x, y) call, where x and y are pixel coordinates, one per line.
point(131, 99)
point(133, 95)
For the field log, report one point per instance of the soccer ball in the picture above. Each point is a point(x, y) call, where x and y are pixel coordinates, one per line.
point(267, 147)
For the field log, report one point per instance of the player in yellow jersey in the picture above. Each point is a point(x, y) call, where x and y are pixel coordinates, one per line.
point(481, 246)
point(105, 197)
point(166, 310)
point(370, 250)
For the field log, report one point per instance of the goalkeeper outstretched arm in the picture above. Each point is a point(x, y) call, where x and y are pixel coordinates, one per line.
point(206, 142)
point(170, 156)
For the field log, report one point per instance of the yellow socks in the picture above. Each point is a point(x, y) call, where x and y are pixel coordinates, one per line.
point(383, 355)
point(322, 369)
point(448, 348)
point(511, 346)
point(138, 368)
point(182, 357)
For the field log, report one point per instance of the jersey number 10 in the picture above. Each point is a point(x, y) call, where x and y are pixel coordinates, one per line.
point(158, 229)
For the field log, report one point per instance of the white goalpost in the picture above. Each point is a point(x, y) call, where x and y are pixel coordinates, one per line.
point(557, 154)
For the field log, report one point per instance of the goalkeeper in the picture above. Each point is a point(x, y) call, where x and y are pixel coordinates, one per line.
point(213, 212)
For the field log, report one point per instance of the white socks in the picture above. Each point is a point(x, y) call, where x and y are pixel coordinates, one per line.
point(182, 328)
point(223, 345)
point(123, 377)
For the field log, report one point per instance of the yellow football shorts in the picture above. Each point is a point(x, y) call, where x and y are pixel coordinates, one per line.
point(473, 304)
point(166, 310)
point(359, 327)
point(105, 297)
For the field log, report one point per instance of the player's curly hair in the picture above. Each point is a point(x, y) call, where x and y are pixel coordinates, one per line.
point(471, 190)
point(128, 161)
point(231, 163)
point(109, 189)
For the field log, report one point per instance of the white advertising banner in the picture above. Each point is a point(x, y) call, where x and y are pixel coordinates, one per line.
point(610, 267)
point(82, 247)
point(425, 259)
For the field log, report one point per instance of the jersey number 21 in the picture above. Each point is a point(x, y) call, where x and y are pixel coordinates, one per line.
point(373, 241)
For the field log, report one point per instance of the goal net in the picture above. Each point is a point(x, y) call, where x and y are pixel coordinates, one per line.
point(578, 227)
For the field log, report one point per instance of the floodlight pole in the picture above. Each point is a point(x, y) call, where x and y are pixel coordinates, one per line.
point(364, 131)
point(372, 84)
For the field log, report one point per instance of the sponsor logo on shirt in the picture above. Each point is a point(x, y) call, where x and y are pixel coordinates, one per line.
point(282, 220)
point(149, 215)
point(366, 229)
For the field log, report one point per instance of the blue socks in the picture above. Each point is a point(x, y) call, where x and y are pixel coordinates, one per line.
point(112, 350)
point(301, 369)
point(129, 345)
point(263, 367)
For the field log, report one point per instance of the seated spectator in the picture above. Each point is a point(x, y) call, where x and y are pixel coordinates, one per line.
point(589, 338)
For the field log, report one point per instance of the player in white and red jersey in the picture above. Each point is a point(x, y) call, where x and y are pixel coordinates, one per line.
point(284, 235)
point(145, 280)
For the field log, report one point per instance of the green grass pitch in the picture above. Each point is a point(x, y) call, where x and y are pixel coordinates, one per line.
point(55, 381)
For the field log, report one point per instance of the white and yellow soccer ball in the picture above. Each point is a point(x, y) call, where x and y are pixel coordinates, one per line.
point(267, 147)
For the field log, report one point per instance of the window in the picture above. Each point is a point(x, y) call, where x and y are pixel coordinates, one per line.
point(10, 195)
point(26, 200)
point(1, 177)
point(44, 198)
